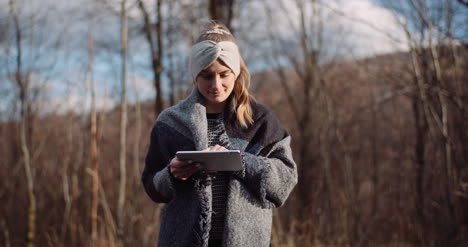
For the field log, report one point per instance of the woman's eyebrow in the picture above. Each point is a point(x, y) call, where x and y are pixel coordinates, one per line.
point(205, 71)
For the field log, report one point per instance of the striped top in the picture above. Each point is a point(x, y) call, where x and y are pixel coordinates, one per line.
point(220, 179)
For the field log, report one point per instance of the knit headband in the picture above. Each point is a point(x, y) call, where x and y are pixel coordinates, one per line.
point(204, 53)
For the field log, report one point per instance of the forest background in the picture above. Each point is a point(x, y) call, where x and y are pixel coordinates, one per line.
point(374, 94)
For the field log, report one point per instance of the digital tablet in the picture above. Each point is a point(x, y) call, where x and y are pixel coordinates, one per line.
point(227, 160)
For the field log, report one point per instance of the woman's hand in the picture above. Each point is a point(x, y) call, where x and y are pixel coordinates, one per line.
point(215, 148)
point(183, 169)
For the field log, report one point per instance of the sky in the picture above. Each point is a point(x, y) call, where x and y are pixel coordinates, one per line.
point(352, 29)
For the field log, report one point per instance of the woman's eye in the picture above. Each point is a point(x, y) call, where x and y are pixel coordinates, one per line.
point(224, 75)
point(206, 76)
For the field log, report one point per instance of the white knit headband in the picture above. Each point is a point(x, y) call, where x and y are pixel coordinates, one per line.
point(204, 53)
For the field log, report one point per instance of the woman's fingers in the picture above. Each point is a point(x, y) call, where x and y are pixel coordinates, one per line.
point(183, 169)
point(180, 163)
point(215, 148)
point(184, 174)
point(190, 170)
point(220, 148)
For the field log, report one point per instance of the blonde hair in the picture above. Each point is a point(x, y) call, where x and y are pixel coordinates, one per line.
point(241, 97)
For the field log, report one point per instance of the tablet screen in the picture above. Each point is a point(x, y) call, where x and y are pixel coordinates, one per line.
point(227, 160)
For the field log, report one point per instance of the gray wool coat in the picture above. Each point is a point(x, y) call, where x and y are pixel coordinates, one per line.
point(266, 181)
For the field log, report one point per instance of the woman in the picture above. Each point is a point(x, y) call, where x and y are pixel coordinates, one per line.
point(223, 208)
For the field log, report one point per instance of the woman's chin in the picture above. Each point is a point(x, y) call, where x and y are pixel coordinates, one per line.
point(217, 99)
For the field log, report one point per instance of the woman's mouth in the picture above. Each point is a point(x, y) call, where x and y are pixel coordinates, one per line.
point(218, 93)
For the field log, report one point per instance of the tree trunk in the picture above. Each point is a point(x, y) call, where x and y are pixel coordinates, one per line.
point(94, 171)
point(419, 150)
point(156, 51)
point(66, 182)
point(222, 10)
point(136, 145)
point(123, 118)
point(23, 97)
point(158, 60)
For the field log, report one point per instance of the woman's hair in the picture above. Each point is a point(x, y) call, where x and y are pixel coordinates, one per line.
point(242, 84)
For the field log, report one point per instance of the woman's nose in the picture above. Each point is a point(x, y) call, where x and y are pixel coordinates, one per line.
point(216, 81)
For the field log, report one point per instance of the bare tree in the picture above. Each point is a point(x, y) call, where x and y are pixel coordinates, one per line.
point(22, 81)
point(123, 115)
point(153, 33)
point(136, 145)
point(464, 2)
point(94, 171)
point(222, 10)
point(436, 106)
point(303, 85)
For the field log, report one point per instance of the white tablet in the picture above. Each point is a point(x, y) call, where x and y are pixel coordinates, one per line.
point(227, 160)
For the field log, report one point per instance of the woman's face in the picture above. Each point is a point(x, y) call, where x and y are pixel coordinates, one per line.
point(215, 83)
